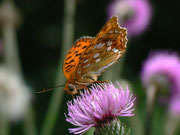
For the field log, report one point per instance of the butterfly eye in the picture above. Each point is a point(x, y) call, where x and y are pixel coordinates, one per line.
point(71, 87)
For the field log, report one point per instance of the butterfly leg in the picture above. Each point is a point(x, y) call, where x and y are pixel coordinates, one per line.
point(101, 82)
point(88, 90)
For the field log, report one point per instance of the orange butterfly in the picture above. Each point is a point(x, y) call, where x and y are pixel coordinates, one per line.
point(90, 56)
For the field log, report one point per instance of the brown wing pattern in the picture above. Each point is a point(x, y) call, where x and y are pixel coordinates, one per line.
point(73, 55)
point(89, 57)
point(106, 48)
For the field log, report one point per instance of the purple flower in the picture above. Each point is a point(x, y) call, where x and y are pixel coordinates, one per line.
point(175, 105)
point(135, 15)
point(103, 105)
point(166, 64)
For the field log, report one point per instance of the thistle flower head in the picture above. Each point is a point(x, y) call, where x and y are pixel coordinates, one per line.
point(135, 15)
point(174, 106)
point(101, 105)
point(162, 65)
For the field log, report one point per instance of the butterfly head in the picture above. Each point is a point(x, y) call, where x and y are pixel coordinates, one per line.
point(70, 88)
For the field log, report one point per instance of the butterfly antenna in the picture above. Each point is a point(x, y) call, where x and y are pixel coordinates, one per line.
point(45, 90)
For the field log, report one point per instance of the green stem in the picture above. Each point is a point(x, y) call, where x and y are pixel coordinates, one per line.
point(57, 97)
point(29, 126)
point(134, 121)
point(172, 123)
point(10, 48)
point(4, 126)
point(151, 94)
point(11, 56)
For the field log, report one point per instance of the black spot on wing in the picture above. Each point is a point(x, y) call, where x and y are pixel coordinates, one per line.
point(75, 52)
point(70, 61)
point(84, 47)
point(68, 58)
point(78, 54)
point(79, 45)
point(69, 67)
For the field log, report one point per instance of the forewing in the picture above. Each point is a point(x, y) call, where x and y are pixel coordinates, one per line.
point(110, 24)
point(106, 48)
point(72, 58)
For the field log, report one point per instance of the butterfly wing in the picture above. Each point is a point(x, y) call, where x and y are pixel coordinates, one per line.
point(73, 55)
point(105, 50)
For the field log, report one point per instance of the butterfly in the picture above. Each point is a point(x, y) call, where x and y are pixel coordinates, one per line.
point(90, 56)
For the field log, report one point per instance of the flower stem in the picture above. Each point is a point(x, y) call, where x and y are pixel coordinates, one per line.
point(57, 97)
point(171, 125)
point(4, 126)
point(11, 54)
point(10, 47)
point(29, 126)
point(137, 130)
point(151, 94)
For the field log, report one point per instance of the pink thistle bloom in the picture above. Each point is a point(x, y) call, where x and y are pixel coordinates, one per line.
point(165, 64)
point(135, 15)
point(101, 105)
point(175, 105)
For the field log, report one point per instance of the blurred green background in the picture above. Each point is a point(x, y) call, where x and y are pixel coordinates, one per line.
point(40, 39)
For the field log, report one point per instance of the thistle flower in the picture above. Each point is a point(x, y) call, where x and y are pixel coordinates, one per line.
point(14, 95)
point(101, 105)
point(174, 106)
point(135, 15)
point(162, 65)
point(161, 71)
